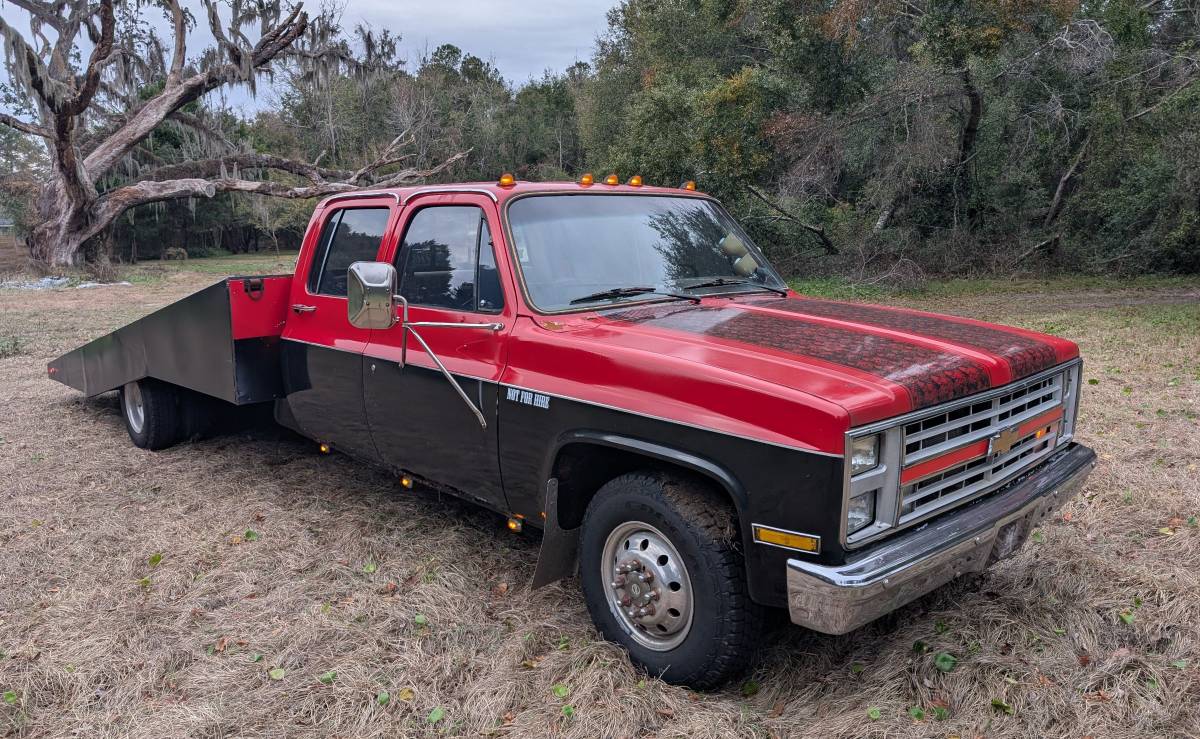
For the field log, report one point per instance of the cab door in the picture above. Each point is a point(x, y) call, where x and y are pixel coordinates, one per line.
point(322, 352)
point(448, 272)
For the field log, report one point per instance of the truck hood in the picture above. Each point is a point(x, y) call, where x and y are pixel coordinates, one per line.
point(874, 361)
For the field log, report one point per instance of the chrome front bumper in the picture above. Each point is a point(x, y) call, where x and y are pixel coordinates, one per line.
point(836, 599)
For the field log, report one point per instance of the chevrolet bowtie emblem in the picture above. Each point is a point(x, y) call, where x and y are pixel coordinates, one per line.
point(1003, 441)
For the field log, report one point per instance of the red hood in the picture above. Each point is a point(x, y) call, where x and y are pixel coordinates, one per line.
point(875, 362)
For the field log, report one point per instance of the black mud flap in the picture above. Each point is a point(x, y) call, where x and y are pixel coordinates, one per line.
point(559, 555)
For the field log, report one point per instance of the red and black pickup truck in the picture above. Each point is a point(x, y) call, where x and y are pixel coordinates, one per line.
point(619, 366)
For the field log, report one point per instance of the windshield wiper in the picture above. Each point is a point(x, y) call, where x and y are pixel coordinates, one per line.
point(620, 292)
point(723, 281)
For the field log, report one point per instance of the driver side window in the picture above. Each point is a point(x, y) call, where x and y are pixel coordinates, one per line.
point(447, 260)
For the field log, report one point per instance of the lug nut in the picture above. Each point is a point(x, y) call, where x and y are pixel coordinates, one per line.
point(641, 611)
point(618, 581)
point(626, 600)
point(655, 594)
point(649, 610)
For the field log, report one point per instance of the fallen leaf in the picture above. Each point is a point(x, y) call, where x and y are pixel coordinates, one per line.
point(1084, 660)
point(508, 718)
point(1099, 695)
point(327, 678)
point(665, 712)
point(388, 589)
point(1120, 653)
point(1067, 516)
point(500, 589)
point(1000, 705)
point(277, 673)
point(406, 694)
point(777, 709)
point(220, 645)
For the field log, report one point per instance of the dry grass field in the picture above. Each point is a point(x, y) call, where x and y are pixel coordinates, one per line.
point(245, 585)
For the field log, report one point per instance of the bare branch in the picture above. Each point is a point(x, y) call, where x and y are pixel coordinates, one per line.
point(818, 231)
point(178, 21)
point(23, 127)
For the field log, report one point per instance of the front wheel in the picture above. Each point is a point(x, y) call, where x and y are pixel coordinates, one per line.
point(663, 577)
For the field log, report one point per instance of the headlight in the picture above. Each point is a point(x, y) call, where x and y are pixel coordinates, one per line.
point(864, 454)
point(861, 512)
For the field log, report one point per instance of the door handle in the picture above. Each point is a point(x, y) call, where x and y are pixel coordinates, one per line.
point(297, 308)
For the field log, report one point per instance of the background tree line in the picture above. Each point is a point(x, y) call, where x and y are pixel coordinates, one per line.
point(878, 139)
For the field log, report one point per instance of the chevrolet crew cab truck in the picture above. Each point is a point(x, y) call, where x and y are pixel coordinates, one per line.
point(619, 366)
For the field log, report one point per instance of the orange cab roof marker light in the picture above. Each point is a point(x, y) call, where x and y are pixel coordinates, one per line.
point(612, 179)
point(587, 179)
point(507, 180)
point(689, 185)
point(635, 181)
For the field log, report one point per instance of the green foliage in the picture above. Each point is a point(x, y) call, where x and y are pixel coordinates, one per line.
point(963, 138)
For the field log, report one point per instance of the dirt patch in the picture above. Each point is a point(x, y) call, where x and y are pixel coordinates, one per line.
point(154, 594)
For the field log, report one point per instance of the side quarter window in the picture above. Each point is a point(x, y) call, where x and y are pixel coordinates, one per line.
point(350, 235)
point(447, 260)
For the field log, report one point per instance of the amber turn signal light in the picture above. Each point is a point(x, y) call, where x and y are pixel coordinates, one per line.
point(587, 179)
point(635, 181)
point(515, 525)
point(612, 179)
point(787, 539)
point(690, 185)
point(507, 180)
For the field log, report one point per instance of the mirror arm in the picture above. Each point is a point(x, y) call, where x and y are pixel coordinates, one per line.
point(449, 378)
point(408, 328)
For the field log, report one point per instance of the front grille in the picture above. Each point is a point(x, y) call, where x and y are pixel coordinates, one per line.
point(973, 423)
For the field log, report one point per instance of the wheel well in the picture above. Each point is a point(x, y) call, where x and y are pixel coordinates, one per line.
point(582, 468)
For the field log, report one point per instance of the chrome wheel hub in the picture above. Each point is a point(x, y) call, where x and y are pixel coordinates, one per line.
point(134, 410)
point(648, 590)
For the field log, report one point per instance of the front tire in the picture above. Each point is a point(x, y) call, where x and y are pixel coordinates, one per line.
point(662, 576)
point(151, 412)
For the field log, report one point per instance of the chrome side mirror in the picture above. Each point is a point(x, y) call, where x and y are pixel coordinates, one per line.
point(371, 295)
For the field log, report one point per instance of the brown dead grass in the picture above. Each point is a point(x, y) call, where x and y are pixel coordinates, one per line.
point(97, 642)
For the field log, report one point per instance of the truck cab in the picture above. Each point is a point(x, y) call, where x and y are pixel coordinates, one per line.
point(620, 367)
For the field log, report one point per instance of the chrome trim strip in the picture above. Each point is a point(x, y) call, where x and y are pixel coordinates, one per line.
point(806, 450)
point(361, 194)
point(676, 422)
point(451, 189)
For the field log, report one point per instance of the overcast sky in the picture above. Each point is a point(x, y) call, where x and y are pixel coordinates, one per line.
point(523, 39)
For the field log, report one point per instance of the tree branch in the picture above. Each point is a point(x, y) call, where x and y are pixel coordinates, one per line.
point(23, 127)
point(818, 231)
point(110, 205)
point(141, 123)
point(177, 59)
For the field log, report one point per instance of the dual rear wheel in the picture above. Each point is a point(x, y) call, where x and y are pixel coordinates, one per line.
point(158, 414)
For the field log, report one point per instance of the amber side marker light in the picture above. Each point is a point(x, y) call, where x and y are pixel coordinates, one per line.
point(612, 179)
point(515, 525)
point(635, 181)
point(787, 539)
point(507, 180)
point(587, 180)
point(406, 482)
point(690, 185)
point(323, 448)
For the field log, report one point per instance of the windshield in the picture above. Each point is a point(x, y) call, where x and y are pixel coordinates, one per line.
point(583, 251)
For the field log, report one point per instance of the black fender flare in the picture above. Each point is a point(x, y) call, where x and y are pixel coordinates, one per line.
point(558, 554)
